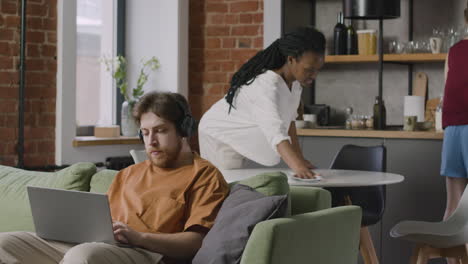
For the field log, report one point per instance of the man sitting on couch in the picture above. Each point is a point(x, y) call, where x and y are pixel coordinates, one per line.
point(163, 206)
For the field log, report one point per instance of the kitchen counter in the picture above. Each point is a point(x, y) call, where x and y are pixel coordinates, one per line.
point(324, 132)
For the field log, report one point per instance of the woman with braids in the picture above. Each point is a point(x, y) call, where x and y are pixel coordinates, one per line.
point(255, 120)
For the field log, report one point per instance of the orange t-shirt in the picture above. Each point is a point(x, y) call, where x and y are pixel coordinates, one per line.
point(157, 200)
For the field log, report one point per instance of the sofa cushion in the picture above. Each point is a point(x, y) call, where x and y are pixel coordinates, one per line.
point(102, 180)
point(269, 183)
point(14, 204)
point(240, 212)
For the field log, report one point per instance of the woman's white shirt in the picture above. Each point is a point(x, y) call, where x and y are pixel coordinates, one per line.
point(259, 119)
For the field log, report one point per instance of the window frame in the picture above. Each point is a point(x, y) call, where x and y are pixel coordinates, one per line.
point(121, 20)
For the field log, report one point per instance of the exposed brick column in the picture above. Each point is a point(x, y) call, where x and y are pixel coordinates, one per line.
point(223, 34)
point(40, 87)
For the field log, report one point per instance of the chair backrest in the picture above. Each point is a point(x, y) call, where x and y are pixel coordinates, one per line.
point(352, 157)
point(138, 155)
point(372, 158)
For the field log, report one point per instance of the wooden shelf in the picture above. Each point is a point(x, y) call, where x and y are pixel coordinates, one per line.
point(370, 133)
point(407, 58)
point(97, 141)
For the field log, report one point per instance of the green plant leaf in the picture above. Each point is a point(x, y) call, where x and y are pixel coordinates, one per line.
point(118, 69)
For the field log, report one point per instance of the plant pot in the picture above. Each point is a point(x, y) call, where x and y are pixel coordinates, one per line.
point(129, 126)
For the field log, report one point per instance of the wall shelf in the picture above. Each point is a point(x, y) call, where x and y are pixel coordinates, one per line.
point(97, 141)
point(402, 58)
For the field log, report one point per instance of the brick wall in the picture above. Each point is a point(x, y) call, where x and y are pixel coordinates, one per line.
point(40, 88)
point(223, 35)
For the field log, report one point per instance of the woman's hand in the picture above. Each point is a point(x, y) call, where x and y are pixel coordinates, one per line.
point(303, 170)
point(309, 165)
point(296, 161)
point(124, 234)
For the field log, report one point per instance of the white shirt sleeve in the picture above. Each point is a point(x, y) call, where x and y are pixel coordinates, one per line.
point(265, 111)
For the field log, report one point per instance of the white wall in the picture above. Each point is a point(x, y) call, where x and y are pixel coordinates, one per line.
point(154, 27)
point(272, 21)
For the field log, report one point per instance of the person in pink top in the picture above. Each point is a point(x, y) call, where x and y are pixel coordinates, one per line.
point(455, 122)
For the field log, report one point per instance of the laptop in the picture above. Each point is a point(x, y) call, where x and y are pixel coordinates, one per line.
point(71, 216)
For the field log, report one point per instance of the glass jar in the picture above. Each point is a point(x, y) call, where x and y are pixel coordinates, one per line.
point(348, 123)
point(370, 122)
point(361, 122)
point(355, 122)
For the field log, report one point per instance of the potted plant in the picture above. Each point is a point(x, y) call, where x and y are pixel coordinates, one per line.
point(118, 69)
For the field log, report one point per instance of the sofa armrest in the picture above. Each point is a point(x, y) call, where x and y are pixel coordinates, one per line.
point(328, 236)
point(309, 199)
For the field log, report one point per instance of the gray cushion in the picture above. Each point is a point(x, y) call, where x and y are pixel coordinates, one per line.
point(240, 212)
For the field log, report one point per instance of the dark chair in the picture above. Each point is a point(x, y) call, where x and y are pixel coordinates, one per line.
point(370, 199)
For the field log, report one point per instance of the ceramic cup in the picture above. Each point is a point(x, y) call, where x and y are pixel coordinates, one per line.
point(435, 44)
point(300, 123)
point(311, 120)
point(410, 123)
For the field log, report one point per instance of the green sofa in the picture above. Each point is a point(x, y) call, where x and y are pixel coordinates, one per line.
point(314, 233)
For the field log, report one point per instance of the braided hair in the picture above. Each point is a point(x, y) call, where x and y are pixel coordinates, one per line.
point(274, 57)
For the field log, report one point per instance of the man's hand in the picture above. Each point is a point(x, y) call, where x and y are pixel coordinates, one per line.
point(182, 245)
point(124, 234)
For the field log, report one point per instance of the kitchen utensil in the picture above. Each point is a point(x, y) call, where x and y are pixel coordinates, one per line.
point(420, 84)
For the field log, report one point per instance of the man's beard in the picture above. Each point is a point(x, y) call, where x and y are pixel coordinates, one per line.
point(166, 158)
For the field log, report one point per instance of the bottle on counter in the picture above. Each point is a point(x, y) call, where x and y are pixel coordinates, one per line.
point(351, 40)
point(339, 36)
point(380, 114)
point(438, 115)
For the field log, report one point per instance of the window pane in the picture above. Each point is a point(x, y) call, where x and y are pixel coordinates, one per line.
point(95, 40)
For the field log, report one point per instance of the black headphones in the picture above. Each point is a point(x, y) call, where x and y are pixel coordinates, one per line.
point(186, 125)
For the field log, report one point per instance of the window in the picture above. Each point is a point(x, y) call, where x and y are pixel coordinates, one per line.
point(96, 39)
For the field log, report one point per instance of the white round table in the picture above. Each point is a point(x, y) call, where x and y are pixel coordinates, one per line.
point(330, 178)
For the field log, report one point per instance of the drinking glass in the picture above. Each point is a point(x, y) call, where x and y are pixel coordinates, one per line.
point(400, 47)
point(452, 37)
point(392, 46)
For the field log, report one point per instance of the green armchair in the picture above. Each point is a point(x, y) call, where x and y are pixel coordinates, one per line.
point(311, 235)
point(314, 233)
